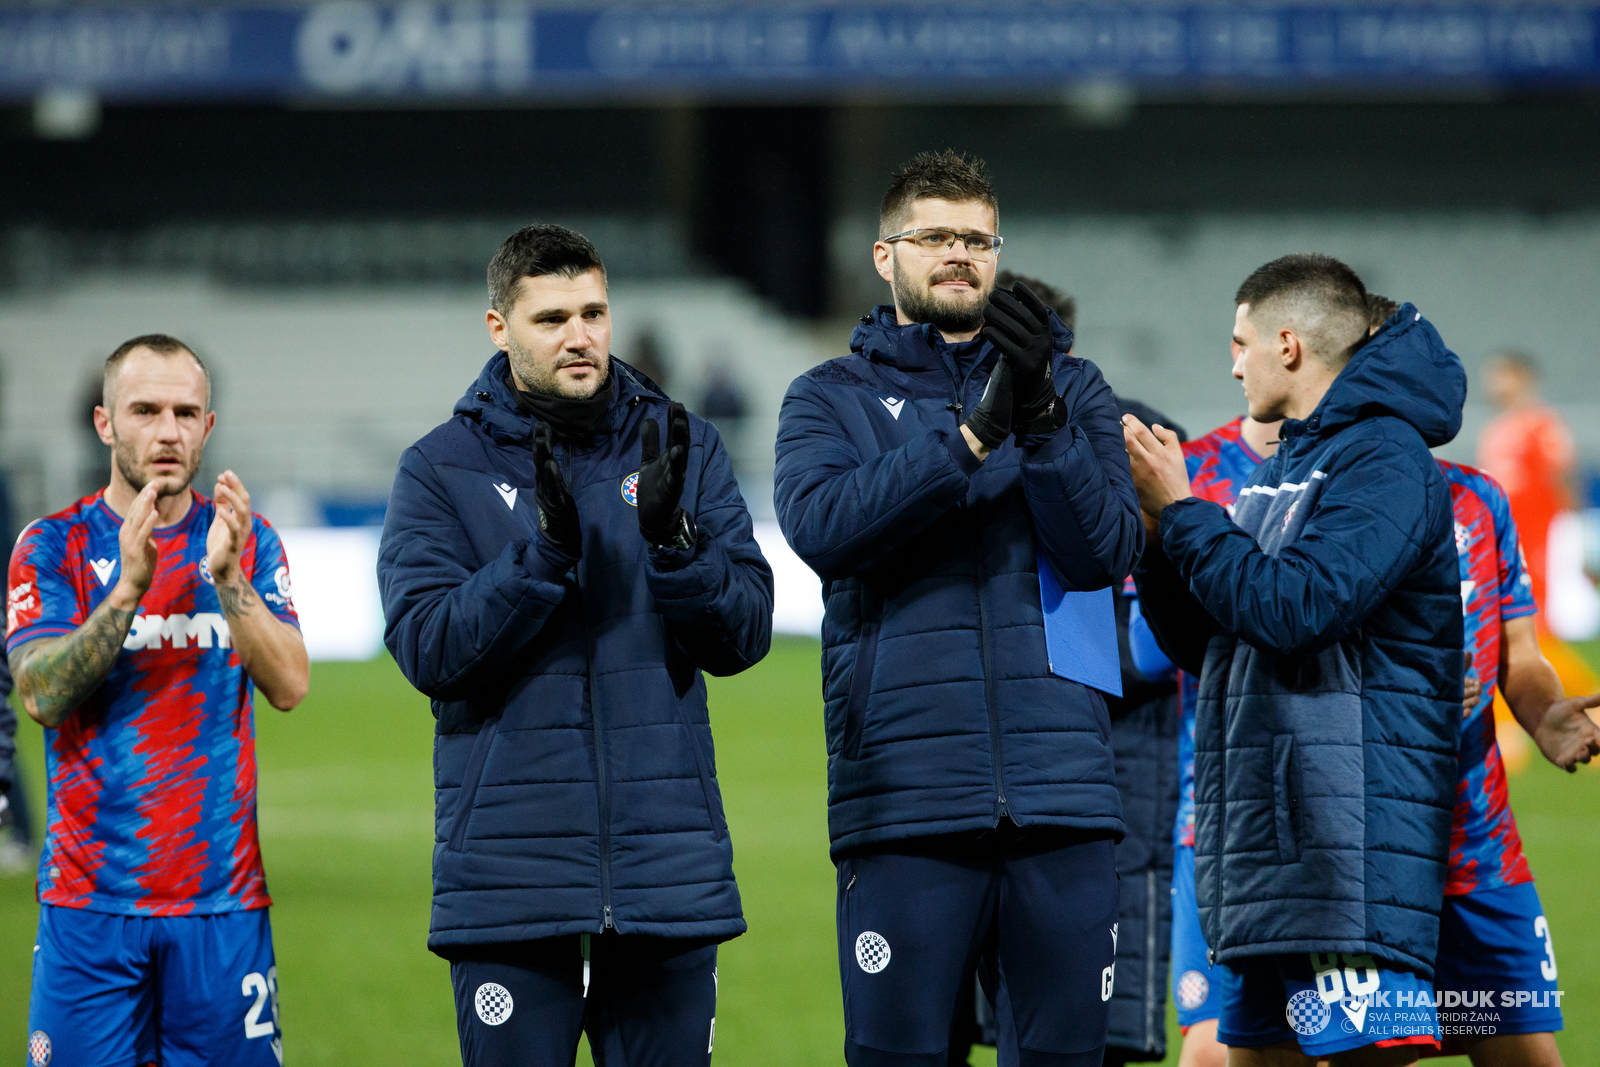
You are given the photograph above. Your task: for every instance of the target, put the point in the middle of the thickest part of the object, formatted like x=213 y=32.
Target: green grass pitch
x=346 y=825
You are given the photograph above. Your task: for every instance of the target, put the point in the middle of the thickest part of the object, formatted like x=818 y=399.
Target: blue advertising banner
x=513 y=50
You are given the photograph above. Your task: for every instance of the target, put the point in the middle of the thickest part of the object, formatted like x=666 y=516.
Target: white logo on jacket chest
x=207 y=628
x=508 y=494
x=893 y=404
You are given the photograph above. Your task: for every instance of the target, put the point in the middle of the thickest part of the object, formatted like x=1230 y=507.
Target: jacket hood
x=881 y=338
x=1404 y=371
x=490 y=402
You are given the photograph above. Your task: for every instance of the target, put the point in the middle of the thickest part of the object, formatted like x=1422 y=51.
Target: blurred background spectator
x=1530 y=452
x=1529 y=449
x=647 y=357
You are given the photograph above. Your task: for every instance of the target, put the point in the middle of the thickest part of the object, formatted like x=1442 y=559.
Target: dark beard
x=925 y=306
x=545 y=381
x=128 y=467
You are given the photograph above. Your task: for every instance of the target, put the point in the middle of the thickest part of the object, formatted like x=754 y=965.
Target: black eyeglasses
x=938 y=242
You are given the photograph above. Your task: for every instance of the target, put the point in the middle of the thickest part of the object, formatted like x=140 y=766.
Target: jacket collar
x=915 y=347
x=490 y=402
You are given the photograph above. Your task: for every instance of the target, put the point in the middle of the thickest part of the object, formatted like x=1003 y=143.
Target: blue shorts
x=1196 y=985
x=1328 y=1002
x=1496 y=972
x=181 y=991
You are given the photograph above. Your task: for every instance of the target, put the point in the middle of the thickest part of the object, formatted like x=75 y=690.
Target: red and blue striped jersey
x=1219 y=464
x=1485 y=848
x=152 y=780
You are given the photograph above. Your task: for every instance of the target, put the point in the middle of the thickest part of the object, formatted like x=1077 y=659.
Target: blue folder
x=1080 y=633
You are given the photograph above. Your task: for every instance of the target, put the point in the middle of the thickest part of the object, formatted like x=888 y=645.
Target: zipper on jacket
x=996 y=765
x=601 y=777
x=602 y=789
x=990 y=706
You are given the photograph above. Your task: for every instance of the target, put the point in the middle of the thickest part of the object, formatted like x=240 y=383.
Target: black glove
x=1017 y=324
x=558 y=512
x=661 y=520
x=990 y=421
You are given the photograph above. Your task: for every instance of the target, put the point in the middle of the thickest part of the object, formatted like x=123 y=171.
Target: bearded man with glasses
x=932 y=478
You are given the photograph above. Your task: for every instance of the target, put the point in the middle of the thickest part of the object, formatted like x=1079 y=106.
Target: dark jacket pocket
x=719 y=825
x=860 y=687
x=1286 y=798
x=470 y=780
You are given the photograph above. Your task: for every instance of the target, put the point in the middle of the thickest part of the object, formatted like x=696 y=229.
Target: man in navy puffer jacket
x=972 y=801
x=560 y=561
x=1324 y=621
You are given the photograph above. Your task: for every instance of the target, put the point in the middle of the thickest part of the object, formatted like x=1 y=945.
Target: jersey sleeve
x=42 y=599
x=1516 y=584
x=271 y=574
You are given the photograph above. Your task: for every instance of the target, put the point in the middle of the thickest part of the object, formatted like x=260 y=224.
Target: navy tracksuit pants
x=1036 y=907
x=651 y=1002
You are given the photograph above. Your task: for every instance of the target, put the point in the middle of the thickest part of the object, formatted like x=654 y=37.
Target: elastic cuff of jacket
x=547 y=563
x=1174 y=513
x=962 y=453
x=1039 y=448
x=666 y=559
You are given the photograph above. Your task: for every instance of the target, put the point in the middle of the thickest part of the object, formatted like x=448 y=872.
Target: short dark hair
x=942 y=175
x=162 y=345
x=1379 y=310
x=1324 y=298
x=1061 y=303
x=543 y=248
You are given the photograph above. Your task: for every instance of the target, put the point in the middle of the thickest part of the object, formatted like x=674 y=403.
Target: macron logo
x=1356 y=1009
x=508 y=494
x=103 y=569
x=894 y=405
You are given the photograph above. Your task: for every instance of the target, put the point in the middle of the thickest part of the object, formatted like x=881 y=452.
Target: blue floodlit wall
x=353 y=48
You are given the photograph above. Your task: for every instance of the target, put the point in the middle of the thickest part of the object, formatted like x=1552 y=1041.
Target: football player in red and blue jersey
x=1493 y=933
x=139 y=621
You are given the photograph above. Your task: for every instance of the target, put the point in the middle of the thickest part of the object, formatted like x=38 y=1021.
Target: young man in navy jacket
x=1323 y=619
x=560 y=561
x=972 y=800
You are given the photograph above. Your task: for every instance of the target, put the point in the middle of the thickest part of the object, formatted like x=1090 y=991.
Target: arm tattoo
x=238 y=598
x=57 y=674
